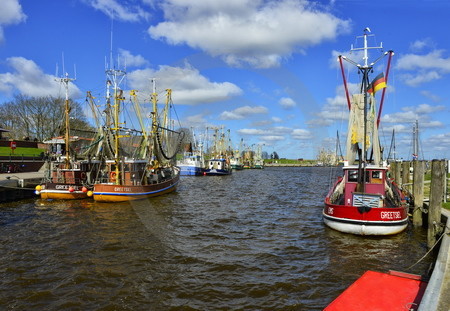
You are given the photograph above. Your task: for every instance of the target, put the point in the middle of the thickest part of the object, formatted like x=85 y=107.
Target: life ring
x=112 y=176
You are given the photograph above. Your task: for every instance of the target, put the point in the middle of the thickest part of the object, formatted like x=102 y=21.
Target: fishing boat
x=67 y=177
x=219 y=163
x=236 y=159
x=364 y=200
x=193 y=162
x=147 y=168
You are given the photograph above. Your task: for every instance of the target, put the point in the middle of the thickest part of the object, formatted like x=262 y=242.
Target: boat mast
x=154 y=100
x=364 y=69
x=66 y=81
x=116 y=76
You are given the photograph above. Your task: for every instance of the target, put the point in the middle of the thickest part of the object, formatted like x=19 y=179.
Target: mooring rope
x=429 y=251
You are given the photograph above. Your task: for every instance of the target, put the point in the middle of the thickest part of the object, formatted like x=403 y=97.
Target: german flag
x=377 y=84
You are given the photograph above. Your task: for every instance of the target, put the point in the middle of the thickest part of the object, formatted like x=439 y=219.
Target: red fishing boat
x=365 y=201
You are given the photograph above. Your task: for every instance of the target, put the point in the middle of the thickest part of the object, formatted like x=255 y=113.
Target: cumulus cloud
x=245 y=131
x=189 y=86
x=10 y=14
x=287 y=103
x=124 y=10
x=433 y=97
x=250 y=32
x=131 y=60
x=423 y=68
x=422 y=44
x=424 y=109
x=28 y=79
x=242 y=112
x=301 y=134
x=335 y=109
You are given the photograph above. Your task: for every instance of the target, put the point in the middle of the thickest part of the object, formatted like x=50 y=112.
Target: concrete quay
x=437 y=294
x=16 y=186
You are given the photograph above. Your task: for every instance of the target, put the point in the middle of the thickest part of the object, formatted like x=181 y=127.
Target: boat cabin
x=131 y=172
x=217 y=164
x=374 y=186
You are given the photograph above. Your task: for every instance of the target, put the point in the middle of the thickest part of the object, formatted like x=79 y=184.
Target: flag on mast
x=377 y=84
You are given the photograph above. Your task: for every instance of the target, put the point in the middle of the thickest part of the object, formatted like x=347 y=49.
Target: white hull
x=365 y=228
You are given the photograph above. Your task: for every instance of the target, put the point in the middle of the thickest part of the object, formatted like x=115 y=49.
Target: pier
x=427 y=211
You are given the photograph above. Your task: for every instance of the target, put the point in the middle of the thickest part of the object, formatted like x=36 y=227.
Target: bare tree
x=39 y=117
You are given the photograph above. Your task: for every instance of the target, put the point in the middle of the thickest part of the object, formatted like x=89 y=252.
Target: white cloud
x=125 y=10
x=420 y=77
x=256 y=33
x=419 y=45
x=301 y=134
x=424 y=108
x=10 y=13
x=276 y=119
x=425 y=68
x=188 y=85
x=287 y=103
x=253 y=132
x=272 y=138
x=433 y=97
x=335 y=109
x=131 y=60
x=242 y=112
x=28 y=79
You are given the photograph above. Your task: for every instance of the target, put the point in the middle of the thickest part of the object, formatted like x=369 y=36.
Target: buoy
x=71 y=189
x=37 y=192
x=90 y=193
x=38 y=188
x=84 y=189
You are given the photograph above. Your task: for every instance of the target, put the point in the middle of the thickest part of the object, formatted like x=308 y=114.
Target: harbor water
x=253 y=240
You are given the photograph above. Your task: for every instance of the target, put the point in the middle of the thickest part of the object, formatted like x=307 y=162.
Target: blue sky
x=266 y=70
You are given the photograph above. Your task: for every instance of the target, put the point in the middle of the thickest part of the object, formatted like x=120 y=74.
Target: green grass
x=290 y=161
x=21 y=151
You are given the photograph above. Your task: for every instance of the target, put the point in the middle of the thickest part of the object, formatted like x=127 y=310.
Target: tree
x=274 y=155
x=40 y=117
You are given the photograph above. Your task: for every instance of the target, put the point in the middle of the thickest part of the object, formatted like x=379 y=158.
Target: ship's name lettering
x=65 y=187
x=391 y=215
x=122 y=189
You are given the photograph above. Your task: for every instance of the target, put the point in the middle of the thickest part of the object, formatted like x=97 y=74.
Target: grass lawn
x=21 y=151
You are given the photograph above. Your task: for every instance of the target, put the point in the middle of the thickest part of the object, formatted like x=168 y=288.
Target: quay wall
x=437 y=294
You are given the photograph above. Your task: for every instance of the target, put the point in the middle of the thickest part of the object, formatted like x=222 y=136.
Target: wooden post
x=405 y=172
x=417 y=191
x=397 y=175
x=436 y=196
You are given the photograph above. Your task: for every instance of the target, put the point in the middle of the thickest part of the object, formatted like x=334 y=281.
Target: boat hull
x=123 y=193
x=216 y=172
x=190 y=170
x=376 y=221
x=61 y=191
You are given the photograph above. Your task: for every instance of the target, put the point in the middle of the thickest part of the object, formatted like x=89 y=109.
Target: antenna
x=111 y=45
x=62 y=56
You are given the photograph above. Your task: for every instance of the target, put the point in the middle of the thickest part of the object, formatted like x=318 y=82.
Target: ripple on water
x=250 y=241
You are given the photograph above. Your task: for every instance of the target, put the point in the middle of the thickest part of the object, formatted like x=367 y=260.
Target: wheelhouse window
x=352 y=176
x=377 y=177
